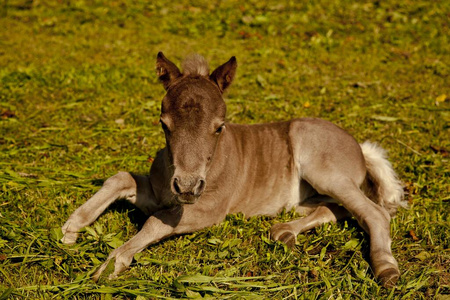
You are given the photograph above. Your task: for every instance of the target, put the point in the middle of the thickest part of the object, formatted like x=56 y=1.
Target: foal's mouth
x=186 y=198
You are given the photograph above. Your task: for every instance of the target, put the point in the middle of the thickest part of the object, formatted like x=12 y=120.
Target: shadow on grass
x=98 y=182
x=136 y=216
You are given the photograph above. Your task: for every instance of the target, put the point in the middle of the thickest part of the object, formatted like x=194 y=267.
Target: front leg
x=165 y=223
x=123 y=185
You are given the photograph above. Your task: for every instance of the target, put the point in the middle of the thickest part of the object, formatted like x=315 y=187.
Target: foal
x=211 y=168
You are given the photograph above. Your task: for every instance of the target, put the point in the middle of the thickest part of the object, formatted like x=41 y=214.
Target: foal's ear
x=223 y=75
x=166 y=70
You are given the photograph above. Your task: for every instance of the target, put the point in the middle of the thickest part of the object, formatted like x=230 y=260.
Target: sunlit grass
x=79 y=101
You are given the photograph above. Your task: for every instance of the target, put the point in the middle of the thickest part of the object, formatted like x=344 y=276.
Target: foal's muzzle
x=188 y=189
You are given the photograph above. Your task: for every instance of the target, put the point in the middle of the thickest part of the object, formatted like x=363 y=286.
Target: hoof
x=113 y=266
x=288 y=238
x=102 y=272
x=389 y=277
x=69 y=238
x=283 y=233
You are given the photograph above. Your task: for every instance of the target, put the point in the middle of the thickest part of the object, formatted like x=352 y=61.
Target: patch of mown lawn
x=79 y=101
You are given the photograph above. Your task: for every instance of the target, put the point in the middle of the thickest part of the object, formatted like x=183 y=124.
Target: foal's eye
x=220 y=129
x=164 y=126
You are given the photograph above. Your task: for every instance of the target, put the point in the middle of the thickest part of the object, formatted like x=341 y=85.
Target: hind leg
x=323 y=213
x=123 y=185
x=374 y=219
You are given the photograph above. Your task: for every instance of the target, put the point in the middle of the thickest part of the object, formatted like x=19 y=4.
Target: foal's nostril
x=199 y=188
x=175 y=186
x=188 y=187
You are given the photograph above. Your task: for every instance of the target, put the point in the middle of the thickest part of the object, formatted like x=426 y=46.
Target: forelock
x=195 y=64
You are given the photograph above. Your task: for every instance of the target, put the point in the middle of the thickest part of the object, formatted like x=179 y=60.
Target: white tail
x=382 y=184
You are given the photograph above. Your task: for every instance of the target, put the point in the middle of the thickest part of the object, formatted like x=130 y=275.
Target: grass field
x=79 y=101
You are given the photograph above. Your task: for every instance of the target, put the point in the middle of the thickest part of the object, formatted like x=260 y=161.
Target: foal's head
x=193 y=119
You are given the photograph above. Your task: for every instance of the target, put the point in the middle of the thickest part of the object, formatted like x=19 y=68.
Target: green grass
x=79 y=101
